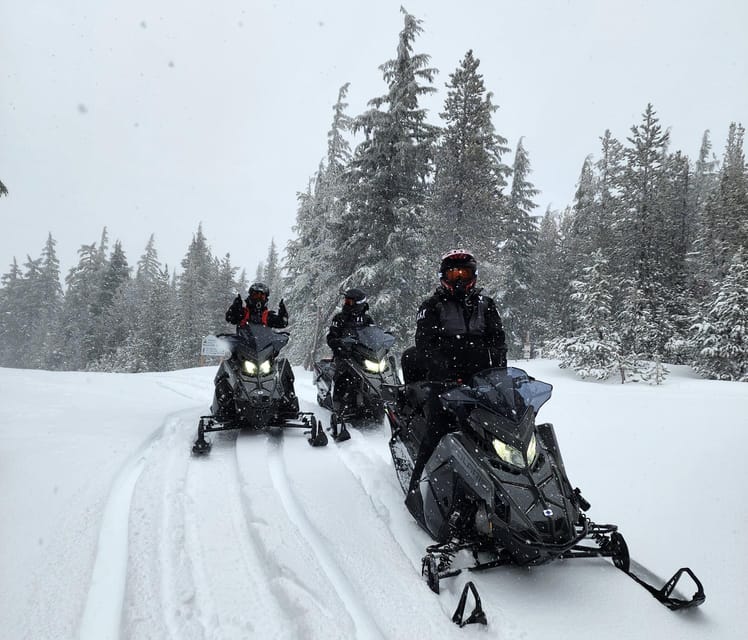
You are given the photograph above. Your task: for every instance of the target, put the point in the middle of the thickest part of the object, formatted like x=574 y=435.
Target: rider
x=352 y=316
x=256 y=311
x=458 y=333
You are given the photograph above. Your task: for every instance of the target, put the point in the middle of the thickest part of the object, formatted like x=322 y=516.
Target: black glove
x=500 y=360
x=282 y=311
x=234 y=314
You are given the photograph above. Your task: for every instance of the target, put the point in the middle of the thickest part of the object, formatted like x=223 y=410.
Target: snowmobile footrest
x=477 y=616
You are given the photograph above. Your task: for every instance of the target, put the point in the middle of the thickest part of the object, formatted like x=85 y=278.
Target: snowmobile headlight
x=375 y=367
x=532 y=451
x=513 y=456
x=509 y=454
x=250 y=367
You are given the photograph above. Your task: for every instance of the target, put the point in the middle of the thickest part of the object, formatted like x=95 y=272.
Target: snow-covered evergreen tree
x=594 y=351
x=552 y=285
x=13 y=319
x=643 y=228
x=466 y=196
x=383 y=228
x=79 y=312
x=519 y=307
x=194 y=319
x=316 y=267
x=721 y=337
x=272 y=275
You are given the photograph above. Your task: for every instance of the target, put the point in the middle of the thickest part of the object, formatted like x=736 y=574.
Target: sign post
x=212 y=346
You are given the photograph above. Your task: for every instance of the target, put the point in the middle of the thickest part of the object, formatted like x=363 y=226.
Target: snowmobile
x=254 y=389
x=367 y=366
x=495 y=485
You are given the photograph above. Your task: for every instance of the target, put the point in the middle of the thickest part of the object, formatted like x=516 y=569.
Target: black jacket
x=456 y=338
x=241 y=315
x=341 y=322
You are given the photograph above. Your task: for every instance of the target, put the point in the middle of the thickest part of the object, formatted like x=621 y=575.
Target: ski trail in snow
x=103 y=611
x=370 y=463
x=227 y=568
x=366 y=627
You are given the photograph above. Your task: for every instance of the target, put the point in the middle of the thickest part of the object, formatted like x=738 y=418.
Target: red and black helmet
x=259 y=293
x=458 y=271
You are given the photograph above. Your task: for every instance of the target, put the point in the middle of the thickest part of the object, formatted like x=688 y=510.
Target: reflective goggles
x=258 y=295
x=453 y=274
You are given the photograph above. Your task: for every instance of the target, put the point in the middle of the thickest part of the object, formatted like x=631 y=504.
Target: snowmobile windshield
x=506 y=391
x=255 y=339
x=374 y=338
x=512 y=388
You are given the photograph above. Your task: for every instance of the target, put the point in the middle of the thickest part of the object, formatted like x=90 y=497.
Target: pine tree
x=13 y=324
x=594 y=350
x=194 y=319
x=721 y=338
x=643 y=227
x=383 y=227
x=315 y=265
x=552 y=283
x=44 y=352
x=115 y=304
x=519 y=307
x=725 y=220
x=272 y=275
x=79 y=309
x=466 y=196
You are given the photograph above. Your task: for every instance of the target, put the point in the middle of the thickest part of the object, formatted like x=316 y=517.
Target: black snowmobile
x=495 y=485
x=367 y=366
x=254 y=389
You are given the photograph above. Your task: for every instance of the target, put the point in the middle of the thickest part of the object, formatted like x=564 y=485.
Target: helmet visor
x=257 y=296
x=453 y=274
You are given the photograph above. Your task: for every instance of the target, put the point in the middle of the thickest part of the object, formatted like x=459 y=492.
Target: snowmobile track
x=365 y=625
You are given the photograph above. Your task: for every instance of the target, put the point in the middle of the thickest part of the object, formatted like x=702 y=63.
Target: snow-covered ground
x=109 y=528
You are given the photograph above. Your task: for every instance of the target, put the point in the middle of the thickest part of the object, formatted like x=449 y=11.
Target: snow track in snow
x=365 y=626
x=103 y=610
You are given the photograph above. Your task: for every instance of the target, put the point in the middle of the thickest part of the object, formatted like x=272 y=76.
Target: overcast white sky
x=150 y=116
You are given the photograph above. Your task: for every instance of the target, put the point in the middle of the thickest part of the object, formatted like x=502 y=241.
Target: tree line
x=646 y=265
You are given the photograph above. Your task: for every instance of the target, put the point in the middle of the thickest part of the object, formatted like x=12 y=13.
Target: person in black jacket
x=352 y=316
x=458 y=333
x=256 y=310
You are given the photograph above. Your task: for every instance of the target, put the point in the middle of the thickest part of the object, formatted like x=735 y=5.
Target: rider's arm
x=495 y=336
x=275 y=321
x=335 y=334
x=428 y=329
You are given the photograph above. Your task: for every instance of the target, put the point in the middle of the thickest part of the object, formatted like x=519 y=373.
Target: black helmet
x=259 y=293
x=458 y=271
x=354 y=301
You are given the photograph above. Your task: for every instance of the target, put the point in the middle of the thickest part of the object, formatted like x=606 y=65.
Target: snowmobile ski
x=477 y=616
x=338 y=428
